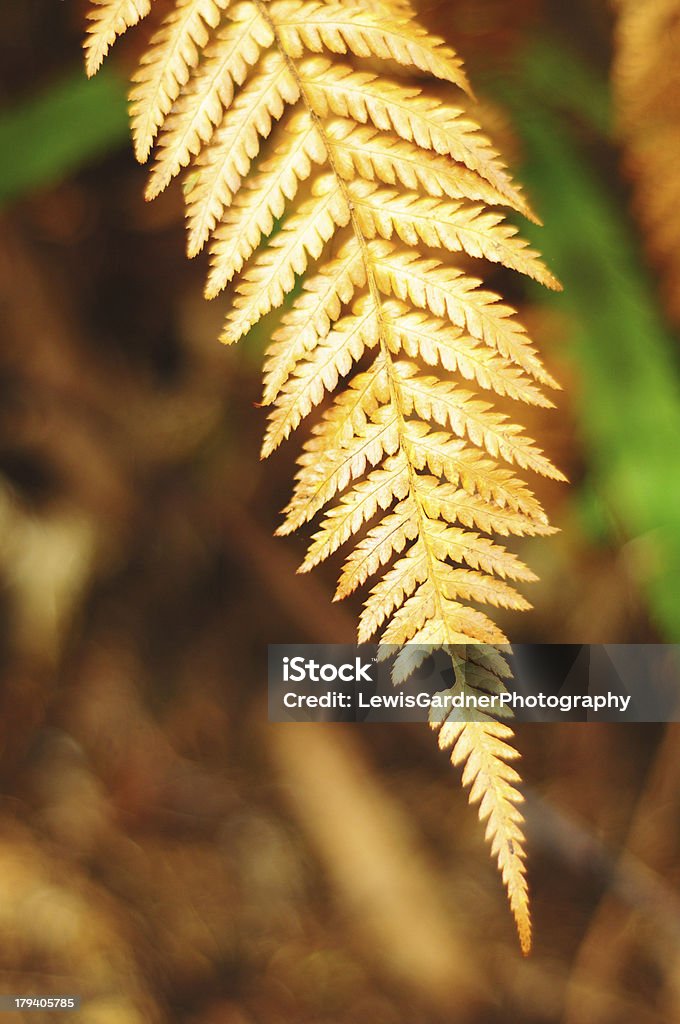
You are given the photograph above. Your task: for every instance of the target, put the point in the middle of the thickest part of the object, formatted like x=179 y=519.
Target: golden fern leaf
x=364 y=152
x=647 y=91
x=418 y=335
x=222 y=166
x=419 y=219
x=200 y=109
x=316 y=27
x=272 y=274
x=318 y=374
x=252 y=215
x=166 y=66
x=109 y=19
x=482 y=748
x=366 y=174
x=320 y=304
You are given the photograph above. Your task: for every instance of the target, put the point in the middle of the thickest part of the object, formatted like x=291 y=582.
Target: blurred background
x=164 y=852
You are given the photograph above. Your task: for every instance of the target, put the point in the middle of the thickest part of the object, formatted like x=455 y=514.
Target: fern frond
x=417 y=334
x=377 y=491
x=166 y=66
x=415 y=118
x=450 y=293
x=386 y=538
x=313 y=179
x=450 y=406
x=225 y=65
x=483 y=751
x=321 y=302
x=473 y=230
x=366 y=446
x=363 y=151
x=107 y=20
x=272 y=275
x=344 y=28
x=223 y=165
x=262 y=200
x=318 y=374
x=456 y=505
x=429 y=618
x=342 y=427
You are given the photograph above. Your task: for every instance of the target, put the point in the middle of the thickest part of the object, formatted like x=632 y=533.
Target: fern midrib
x=422 y=517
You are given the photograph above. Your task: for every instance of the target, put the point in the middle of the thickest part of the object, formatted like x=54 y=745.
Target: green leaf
x=46 y=138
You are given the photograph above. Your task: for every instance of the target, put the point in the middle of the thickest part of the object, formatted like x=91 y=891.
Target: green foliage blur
x=45 y=138
x=624 y=354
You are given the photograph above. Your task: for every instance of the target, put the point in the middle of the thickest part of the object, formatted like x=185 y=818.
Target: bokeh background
x=166 y=853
